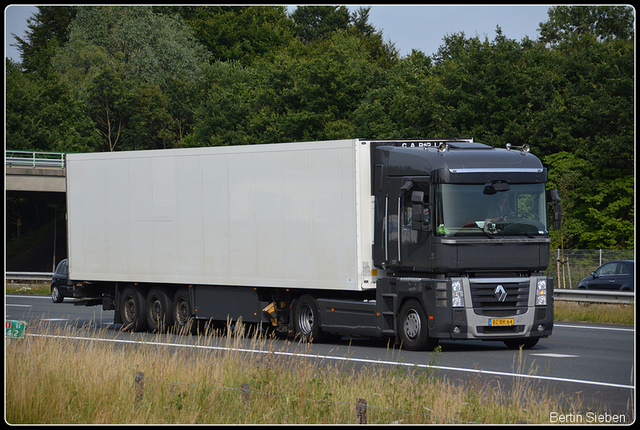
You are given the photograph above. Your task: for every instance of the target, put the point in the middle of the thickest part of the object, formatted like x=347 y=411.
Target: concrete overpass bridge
x=34 y=174
x=37 y=182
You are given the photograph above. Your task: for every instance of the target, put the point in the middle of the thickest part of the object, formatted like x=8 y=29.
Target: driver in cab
x=499 y=211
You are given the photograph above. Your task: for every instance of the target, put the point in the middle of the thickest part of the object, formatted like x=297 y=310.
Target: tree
x=109 y=103
x=598 y=213
x=303 y=92
x=229 y=105
x=401 y=103
x=121 y=61
x=569 y=23
x=236 y=33
x=317 y=23
x=47 y=30
x=384 y=54
x=139 y=45
x=43 y=115
x=313 y=23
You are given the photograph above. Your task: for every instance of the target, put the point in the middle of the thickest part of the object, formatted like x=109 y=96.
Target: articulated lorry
x=417 y=240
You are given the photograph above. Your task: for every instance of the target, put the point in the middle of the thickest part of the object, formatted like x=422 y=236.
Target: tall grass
x=70 y=380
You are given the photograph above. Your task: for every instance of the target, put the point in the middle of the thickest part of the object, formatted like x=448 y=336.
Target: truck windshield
x=468 y=210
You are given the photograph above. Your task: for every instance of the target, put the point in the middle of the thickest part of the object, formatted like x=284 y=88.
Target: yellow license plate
x=501 y=321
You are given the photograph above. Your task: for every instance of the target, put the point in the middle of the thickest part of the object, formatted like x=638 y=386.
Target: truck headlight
x=541 y=292
x=457 y=295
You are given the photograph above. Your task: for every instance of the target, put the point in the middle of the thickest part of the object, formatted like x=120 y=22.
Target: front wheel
x=412 y=327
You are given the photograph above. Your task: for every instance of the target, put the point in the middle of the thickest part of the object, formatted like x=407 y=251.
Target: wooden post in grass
x=245 y=392
x=139 y=386
x=361 y=411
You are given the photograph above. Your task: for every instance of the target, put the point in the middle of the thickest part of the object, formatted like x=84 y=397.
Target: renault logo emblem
x=500 y=294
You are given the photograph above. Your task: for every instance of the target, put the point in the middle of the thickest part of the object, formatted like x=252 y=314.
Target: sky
x=407 y=26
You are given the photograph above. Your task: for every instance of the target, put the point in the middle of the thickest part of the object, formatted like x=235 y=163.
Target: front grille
x=483 y=298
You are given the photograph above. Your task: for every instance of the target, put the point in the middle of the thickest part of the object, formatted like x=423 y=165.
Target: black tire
x=525 y=343
x=159 y=309
x=56 y=295
x=133 y=310
x=306 y=322
x=413 y=327
x=182 y=314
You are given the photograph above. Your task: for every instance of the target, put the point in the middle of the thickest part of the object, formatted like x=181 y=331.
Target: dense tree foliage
x=122 y=78
x=236 y=33
x=567 y=24
x=47 y=30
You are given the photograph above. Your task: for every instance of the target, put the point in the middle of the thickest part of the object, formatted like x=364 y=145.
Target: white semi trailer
x=379 y=238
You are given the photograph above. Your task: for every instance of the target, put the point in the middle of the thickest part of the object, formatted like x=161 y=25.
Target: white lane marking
x=54 y=319
x=23 y=306
x=347 y=359
x=553 y=355
x=594 y=328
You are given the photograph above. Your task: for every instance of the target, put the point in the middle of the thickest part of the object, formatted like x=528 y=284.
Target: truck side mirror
x=418 y=220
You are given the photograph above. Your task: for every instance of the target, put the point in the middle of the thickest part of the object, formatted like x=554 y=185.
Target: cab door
x=406 y=223
x=415 y=224
x=393 y=228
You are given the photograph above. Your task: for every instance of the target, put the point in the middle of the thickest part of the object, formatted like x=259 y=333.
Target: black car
x=59 y=287
x=613 y=275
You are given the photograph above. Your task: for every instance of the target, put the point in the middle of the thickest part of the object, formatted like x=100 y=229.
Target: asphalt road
x=592 y=361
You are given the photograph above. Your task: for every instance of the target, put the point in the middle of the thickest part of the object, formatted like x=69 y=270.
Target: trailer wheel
x=182 y=314
x=412 y=327
x=517 y=343
x=132 y=310
x=159 y=310
x=305 y=319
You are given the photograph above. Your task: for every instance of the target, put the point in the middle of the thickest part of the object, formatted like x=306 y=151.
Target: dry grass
x=66 y=379
x=594 y=313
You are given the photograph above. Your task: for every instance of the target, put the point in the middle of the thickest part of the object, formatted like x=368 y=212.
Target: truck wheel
x=132 y=310
x=182 y=314
x=159 y=310
x=412 y=327
x=525 y=343
x=305 y=319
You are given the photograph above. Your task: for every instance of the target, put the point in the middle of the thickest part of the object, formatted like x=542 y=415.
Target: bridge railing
x=35 y=159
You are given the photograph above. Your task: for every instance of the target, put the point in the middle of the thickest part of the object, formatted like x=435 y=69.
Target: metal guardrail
x=559 y=294
x=35 y=159
x=28 y=276
x=593 y=296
